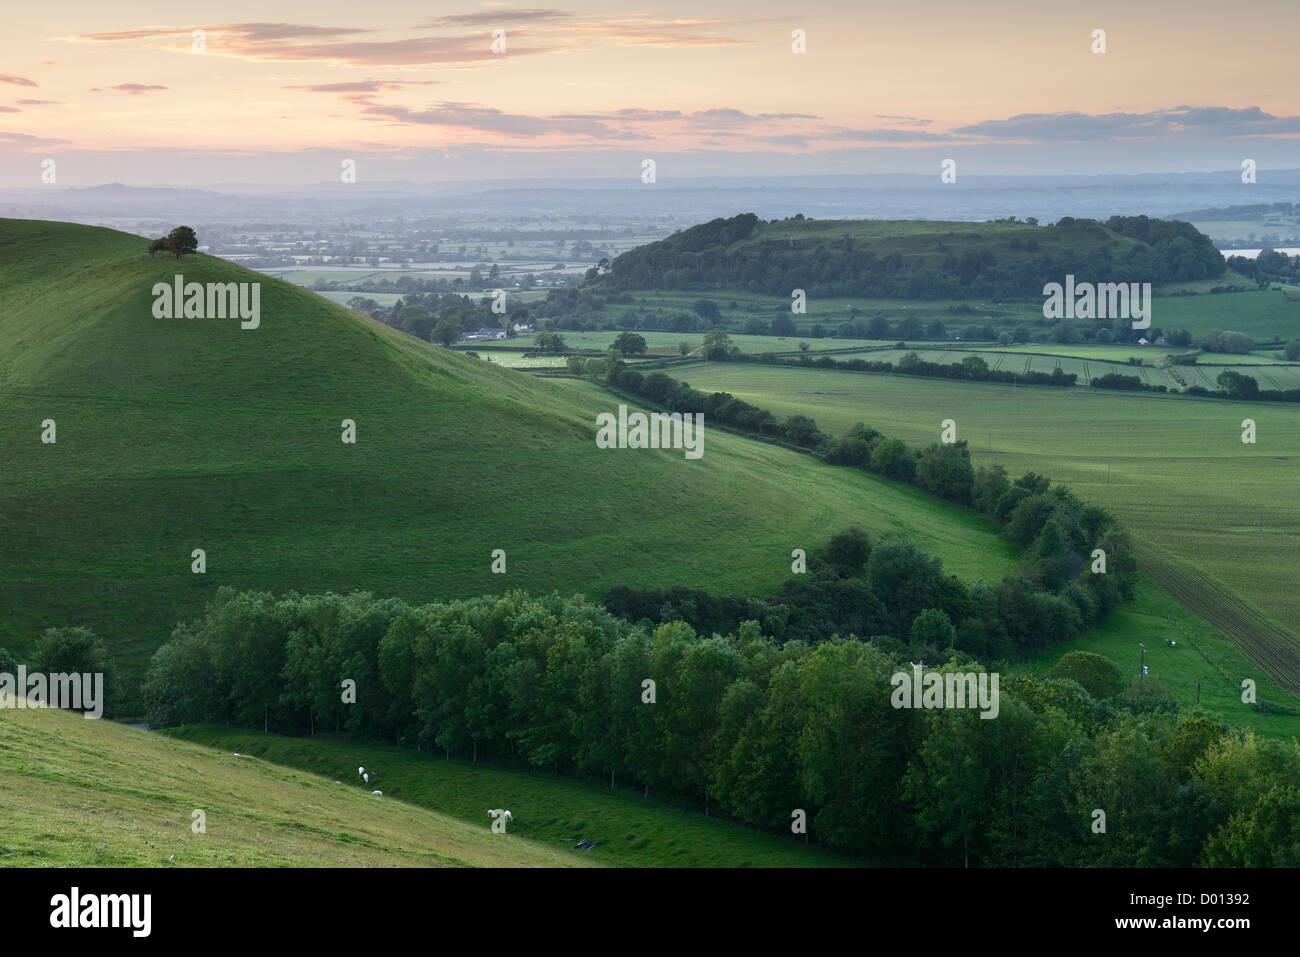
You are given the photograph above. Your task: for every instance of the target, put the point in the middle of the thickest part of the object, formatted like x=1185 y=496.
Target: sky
x=285 y=91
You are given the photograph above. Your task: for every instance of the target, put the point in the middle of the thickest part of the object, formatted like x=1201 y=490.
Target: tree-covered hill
x=910 y=259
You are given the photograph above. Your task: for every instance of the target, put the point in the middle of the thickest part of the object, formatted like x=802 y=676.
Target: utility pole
x=1142 y=664
x=1108 y=471
x=1198 y=692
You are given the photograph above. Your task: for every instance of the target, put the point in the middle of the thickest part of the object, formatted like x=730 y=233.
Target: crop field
x=1173 y=468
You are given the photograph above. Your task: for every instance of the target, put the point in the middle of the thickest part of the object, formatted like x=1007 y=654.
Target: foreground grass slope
x=194 y=433
x=630 y=829
x=82 y=793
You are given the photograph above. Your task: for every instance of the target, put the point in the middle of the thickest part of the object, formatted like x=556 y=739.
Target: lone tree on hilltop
x=180 y=241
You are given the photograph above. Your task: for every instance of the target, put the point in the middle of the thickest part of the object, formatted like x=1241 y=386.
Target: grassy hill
x=631 y=830
x=194 y=433
x=81 y=793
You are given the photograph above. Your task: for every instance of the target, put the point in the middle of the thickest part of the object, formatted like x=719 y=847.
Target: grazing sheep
x=509 y=816
x=377 y=793
x=366 y=778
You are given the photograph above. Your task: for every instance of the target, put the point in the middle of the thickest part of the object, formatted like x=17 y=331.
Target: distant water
x=1254 y=253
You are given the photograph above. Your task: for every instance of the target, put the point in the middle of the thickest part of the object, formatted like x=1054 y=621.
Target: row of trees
x=1042 y=605
x=972 y=367
x=899 y=596
x=751 y=728
x=1269 y=266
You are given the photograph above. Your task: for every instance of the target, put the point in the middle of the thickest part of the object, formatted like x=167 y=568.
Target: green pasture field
x=1199 y=653
x=1261 y=314
x=631 y=830
x=1172 y=468
x=385 y=299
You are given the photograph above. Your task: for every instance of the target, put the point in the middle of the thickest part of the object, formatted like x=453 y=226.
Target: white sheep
x=366 y=778
x=377 y=793
x=360 y=771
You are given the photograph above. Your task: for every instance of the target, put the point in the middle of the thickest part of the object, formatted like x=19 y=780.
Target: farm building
x=482 y=334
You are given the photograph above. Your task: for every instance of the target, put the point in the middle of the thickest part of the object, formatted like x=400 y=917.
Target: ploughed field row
x=1265 y=643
